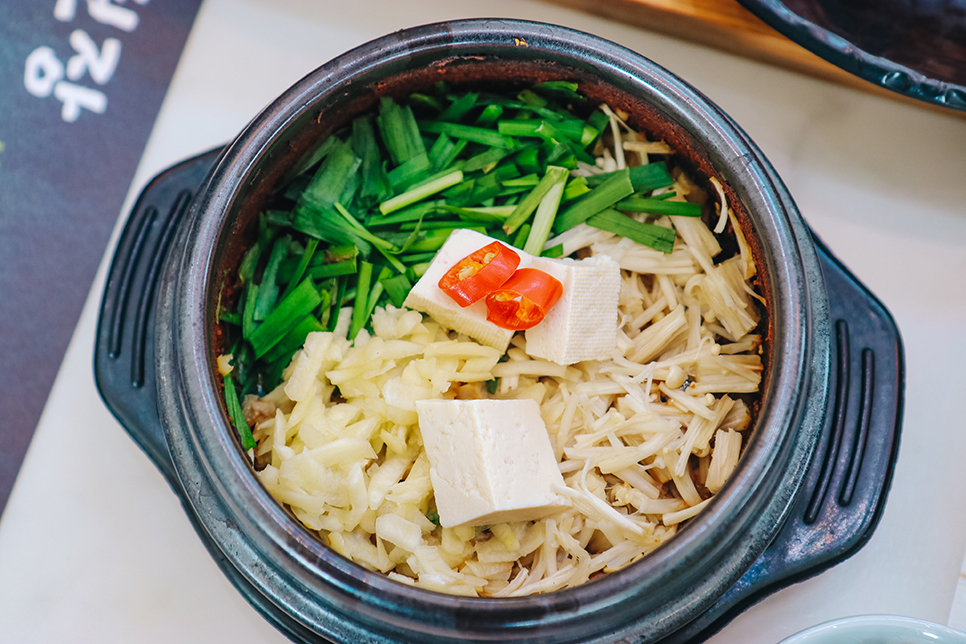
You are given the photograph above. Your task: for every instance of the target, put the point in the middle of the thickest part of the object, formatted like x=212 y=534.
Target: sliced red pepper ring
x=479 y=273
x=524 y=300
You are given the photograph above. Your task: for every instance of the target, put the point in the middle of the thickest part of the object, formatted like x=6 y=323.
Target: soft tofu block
x=582 y=325
x=426 y=296
x=490 y=461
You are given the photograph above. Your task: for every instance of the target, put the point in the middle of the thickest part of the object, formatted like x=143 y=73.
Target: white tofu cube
x=491 y=461
x=582 y=325
x=428 y=297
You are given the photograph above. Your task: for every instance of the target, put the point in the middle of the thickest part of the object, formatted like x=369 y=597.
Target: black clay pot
x=809 y=488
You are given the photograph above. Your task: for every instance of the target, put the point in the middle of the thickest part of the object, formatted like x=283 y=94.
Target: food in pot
x=488 y=345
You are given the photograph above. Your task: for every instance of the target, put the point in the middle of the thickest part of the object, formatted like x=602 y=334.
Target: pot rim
x=249 y=525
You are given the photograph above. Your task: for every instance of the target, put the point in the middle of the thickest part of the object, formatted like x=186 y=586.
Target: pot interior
x=301 y=119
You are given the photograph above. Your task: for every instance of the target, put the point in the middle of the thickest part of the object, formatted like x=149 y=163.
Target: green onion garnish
x=285 y=317
x=656 y=237
x=236 y=415
x=359 y=306
x=543 y=220
x=310 y=246
x=526 y=207
x=470 y=133
x=419 y=193
x=616 y=187
x=659 y=207
x=397 y=288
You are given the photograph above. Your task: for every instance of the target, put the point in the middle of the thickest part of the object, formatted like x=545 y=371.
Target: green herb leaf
x=397 y=288
x=327 y=225
x=660 y=207
x=323 y=271
x=470 y=133
x=310 y=246
x=520 y=239
x=336 y=171
x=490 y=114
x=408 y=173
x=644 y=178
x=553 y=251
x=543 y=220
x=617 y=186
x=420 y=192
x=459 y=108
x=359 y=306
x=526 y=207
x=375 y=184
x=295 y=338
x=236 y=415
x=268 y=289
x=285 y=317
x=399 y=131
x=656 y=237
x=248 y=313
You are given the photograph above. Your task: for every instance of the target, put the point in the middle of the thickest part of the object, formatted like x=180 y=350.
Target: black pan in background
x=913 y=47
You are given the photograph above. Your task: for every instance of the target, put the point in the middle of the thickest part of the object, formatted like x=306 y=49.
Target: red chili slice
x=479 y=273
x=524 y=300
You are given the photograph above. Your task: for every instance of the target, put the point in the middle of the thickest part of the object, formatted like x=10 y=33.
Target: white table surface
x=94 y=547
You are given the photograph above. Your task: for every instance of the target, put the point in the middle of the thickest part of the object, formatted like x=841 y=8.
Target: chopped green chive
x=553 y=251
x=543 y=220
x=236 y=415
x=375 y=184
x=324 y=271
x=295 y=338
x=285 y=317
x=419 y=193
x=529 y=97
x=399 y=131
x=644 y=178
x=656 y=237
x=660 y=207
x=520 y=239
x=329 y=182
x=490 y=114
x=428 y=101
x=483 y=213
x=410 y=171
x=310 y=246
x=529 y=161
x=248 y=313
x=359 y=306
x=526 y=207
x=459 y=108
x=412 y=213
x=575 y=188
x=470 y=133
x=397 y=288
x=486 y=161
x=616 y=187
x=529 y=127
x=444 y=152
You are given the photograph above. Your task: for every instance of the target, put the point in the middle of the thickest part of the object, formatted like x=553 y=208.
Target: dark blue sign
x=81 y=82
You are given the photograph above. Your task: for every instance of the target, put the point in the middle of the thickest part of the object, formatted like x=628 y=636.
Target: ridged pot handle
x=124 y=345
x=845 y=489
